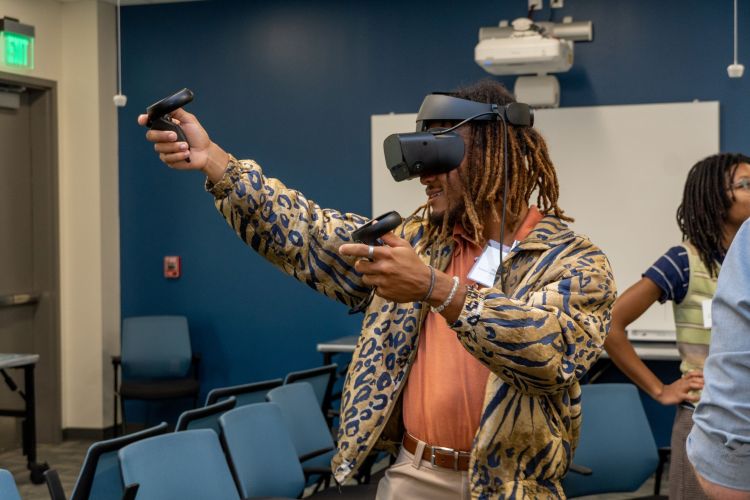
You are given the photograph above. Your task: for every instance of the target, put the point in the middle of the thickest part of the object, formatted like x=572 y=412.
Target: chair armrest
x=316 y=471
x=130 y=491
x=54 y=485
x=313 y=454
x=580 y=469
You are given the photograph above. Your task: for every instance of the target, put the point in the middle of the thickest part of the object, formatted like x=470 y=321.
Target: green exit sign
x=16 y=44
x=18 y=50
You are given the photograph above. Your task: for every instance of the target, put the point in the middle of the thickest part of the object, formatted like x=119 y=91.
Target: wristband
x=442 y=306
x=432 y=284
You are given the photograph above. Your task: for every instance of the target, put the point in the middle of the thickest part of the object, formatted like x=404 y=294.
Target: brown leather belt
x=446 y=458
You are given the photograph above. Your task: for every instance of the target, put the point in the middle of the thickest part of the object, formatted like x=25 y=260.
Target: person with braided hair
x=474 y=387
x=715 y=203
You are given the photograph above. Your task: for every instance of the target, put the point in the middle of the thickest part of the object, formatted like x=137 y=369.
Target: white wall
x=75 y=47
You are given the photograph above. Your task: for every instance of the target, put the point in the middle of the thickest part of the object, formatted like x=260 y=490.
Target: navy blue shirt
x=671 y=273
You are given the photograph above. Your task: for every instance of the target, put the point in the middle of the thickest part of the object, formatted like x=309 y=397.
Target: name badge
x=706 y=306
x=485 y=268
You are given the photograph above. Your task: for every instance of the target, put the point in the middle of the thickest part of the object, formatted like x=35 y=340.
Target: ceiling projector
x=524 y=51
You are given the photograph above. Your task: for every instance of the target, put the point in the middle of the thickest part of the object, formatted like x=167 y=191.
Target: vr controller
x=158 y=113
x=437 y=151
x=370 y=233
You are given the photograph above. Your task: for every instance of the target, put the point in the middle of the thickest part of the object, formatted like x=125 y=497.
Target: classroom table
x=657 y=351
x=653 y=351
x=337 y=346
x=25 y=362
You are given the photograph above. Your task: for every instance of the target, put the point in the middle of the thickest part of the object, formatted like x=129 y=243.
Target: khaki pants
x=412 y=478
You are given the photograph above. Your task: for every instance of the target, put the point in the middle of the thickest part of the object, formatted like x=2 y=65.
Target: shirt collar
x=532 y=218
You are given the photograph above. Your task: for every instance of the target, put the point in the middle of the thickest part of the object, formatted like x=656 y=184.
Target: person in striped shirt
x=715 y=203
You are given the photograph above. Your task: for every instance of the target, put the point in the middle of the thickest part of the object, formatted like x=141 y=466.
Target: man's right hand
x=203 y=154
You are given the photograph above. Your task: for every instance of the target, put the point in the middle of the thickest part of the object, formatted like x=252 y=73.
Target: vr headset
x=437 y=151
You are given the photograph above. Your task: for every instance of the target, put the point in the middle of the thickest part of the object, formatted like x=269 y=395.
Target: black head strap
x=444 y=107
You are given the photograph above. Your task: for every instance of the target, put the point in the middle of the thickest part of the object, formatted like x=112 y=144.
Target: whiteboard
x=621 y=171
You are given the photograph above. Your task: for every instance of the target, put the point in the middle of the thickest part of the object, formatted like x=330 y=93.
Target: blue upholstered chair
x=187 y=465
x=261 y=452
x=8 y=490
x=157 y=361
x=245 y=393
x=616 y=444
x=321 y=379
x=307 y=427
x=206 y=417
x=100 y=477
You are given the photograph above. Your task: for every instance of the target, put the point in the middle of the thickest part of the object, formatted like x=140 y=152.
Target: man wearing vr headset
x=474 y=386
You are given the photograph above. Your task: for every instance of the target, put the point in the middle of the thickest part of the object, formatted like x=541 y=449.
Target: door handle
x=18 y=299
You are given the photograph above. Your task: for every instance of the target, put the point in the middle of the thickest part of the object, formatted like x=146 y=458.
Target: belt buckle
x=449 y=451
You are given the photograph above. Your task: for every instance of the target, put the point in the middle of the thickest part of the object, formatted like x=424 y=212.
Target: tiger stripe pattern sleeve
x=290 y=231
x=551 y=328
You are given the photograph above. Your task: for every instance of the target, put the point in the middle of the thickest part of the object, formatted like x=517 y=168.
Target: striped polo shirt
x=671 y=273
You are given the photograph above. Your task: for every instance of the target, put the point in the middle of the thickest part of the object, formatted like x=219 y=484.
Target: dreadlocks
x=705 y=205
x=530 y=168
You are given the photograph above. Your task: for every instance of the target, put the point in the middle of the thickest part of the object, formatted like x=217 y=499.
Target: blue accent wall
x=292 y=84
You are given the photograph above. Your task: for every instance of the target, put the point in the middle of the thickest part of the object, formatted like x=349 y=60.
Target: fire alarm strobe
x=172 y=266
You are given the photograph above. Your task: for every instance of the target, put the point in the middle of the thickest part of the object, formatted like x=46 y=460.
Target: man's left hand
x=395 y=270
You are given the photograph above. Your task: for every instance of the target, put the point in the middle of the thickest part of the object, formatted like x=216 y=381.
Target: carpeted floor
x=65 y=457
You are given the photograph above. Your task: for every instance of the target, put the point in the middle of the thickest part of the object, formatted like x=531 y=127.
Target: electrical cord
x=505 y=174
x=505 y=197
x=119 y=57
x=454 y=127
x=735 y=31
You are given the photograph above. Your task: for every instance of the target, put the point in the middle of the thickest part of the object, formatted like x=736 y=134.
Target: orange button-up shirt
x=444 y=396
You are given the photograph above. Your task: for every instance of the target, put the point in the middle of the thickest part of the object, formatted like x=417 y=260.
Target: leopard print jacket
x=538 y=335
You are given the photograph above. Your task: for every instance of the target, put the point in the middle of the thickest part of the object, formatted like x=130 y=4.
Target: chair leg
x=323 y=483
x=122 y=411
x=54 y=485
x=115 y=396
x=114 y=412
x=318 y=485
x=366 y=469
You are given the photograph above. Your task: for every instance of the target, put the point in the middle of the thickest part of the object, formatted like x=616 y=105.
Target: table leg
x=29 y=428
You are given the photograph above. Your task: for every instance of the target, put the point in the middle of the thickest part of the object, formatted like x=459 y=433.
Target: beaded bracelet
x=432 y=284
x=442 y=306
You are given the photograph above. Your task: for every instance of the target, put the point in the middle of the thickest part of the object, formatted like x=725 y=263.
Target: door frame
x=46 y=234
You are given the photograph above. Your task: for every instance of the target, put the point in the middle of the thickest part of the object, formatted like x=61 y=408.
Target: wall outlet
x=556 y=4
x=535 y=5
